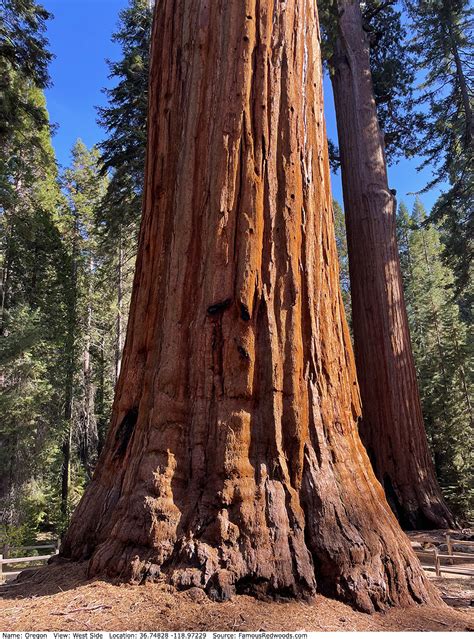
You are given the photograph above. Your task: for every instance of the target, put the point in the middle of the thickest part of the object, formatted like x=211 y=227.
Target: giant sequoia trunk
x=392 y=426
x=233 y=461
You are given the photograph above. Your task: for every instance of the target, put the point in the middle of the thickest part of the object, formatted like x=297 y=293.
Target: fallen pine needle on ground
x=45 y=600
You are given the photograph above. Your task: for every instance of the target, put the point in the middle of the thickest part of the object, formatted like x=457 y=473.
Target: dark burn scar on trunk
x=219 y=307
x=125 y=431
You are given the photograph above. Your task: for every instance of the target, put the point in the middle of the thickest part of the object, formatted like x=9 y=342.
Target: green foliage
x=84 y=188
x=392 y=71
x=453 y=211
x=442 y=356
x=393 y=74
x=124 y=119
x=341 y=243
x=443 y=48
x=32 y=317
x=24 y=60
x=55 y=348
x=441 y=348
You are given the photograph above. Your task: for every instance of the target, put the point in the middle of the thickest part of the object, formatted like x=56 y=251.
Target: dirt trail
x=59 y=597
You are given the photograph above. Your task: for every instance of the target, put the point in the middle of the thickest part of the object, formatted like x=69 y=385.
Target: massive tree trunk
x=233 y=461
x=392 y=427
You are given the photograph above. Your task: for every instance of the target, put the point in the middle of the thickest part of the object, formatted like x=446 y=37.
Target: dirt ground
x=58 y=597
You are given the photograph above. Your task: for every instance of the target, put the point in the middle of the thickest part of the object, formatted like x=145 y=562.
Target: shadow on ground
x=59 y=597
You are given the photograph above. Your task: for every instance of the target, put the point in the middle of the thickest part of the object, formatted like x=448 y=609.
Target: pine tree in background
x=443 y=47
x=123 y=156
x=393 y=75
x=24 y=59
x=67 y=264
x=440 y=341
x=32 y=316
x=84 y=188
x=124 y=119
x=439 y=338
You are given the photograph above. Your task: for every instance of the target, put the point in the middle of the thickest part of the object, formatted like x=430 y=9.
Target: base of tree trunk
x=256 y=535
x=417 y=509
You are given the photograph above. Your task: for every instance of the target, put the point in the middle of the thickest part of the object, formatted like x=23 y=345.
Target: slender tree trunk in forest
x=461 y=78
x=89 y=424
x=66 y=466
x=70 y=369
x=6 y=273
x=233 y=461
x=119 y=318
x=6 y=268
x=392 y=427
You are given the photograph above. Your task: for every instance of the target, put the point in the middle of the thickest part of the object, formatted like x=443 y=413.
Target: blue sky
x=80 y=38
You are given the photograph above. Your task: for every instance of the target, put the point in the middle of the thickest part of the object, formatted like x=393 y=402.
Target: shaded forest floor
x=59 y=597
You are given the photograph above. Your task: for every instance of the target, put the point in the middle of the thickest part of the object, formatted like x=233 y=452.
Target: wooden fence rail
x=437 y=567
x=7 y=550
x=6 y=558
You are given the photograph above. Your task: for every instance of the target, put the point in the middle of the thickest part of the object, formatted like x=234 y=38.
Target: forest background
x=70 y=218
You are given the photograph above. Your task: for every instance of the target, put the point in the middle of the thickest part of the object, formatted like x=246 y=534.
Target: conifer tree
x=24 y=59
x=233 y=461
x=123 y=157
x=84 y=188
x=443 y=47
x=32 y=314
x=442 y=357
x=124 y=119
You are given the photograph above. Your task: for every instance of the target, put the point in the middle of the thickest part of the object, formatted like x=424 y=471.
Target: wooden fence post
x=449 y=543
x=437 y=563
x=1 y=569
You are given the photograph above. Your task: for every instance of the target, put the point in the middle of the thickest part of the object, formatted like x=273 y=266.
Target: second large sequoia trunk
x=233 y=461
x=392 y=427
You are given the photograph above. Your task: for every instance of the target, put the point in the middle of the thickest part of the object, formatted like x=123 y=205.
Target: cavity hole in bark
x=244 y=312
x=261 y=588
x=220 y=587
x=125 y=430
x=243 y=352
x=219 y=307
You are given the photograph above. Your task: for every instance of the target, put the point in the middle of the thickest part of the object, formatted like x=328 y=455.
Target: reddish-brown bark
x=392 y=427
x=233 y=461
